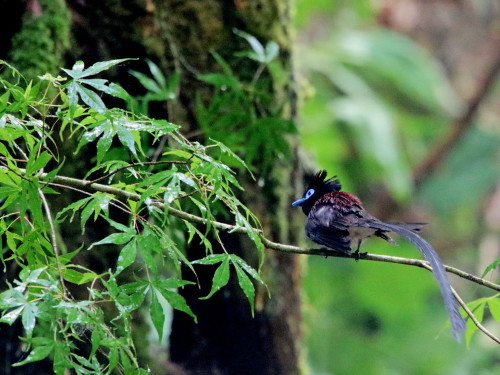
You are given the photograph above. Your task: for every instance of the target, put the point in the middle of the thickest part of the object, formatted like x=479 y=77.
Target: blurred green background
x=384 y=81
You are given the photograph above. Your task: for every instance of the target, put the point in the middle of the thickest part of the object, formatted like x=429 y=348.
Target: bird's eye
x=309 y=193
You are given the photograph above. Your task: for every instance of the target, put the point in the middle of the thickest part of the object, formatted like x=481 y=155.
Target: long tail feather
x=457 y=322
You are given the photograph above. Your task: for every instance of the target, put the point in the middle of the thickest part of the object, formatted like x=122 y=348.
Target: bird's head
x=318 y=187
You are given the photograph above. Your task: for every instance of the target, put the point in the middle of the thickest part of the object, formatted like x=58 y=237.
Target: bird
x=336 y=219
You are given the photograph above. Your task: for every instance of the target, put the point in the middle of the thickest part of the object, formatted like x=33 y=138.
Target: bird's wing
x=325 y=228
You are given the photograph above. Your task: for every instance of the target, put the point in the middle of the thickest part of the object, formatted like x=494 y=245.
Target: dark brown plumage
x=337 y=220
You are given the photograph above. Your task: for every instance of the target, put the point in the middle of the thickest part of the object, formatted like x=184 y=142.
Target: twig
x=474 y=319
x=77 y=183
x=53 y=237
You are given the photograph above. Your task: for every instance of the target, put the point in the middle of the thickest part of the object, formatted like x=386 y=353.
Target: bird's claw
x=357 y=255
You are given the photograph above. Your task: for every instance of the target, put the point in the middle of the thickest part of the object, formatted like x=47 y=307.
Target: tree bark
x=180 y=35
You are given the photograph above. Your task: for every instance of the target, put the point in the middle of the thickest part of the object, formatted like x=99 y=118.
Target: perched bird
x=337 y=220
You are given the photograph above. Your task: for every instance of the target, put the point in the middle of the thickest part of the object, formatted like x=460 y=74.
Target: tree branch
x=77 y=183
x=69 y=182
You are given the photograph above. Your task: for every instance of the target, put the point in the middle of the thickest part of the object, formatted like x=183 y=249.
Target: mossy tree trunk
x=180 y=35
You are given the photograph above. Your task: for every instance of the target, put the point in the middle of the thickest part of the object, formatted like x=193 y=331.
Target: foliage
x=134 y=196
x=244 y=112
x=43 y=39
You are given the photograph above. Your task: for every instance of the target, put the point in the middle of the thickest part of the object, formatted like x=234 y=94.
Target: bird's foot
x=357 y=255
x=325 y=249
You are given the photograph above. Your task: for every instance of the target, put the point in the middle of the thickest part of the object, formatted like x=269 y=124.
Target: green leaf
x=172 y=283
x=116 y=238
x=272 y=50
x=218 y=79
x=12 y=315
x=101 y=66
x=37 y=354
x=127 y=139
x=156 y=72
x=221 y=277
x=37 y=162
x=178 y=302
x=61 y=358
x=257 y=47
x=90 y=98
x=149 y=244
x=78 y=278
x=103 y=144
x=172 y=190
x=157 y=313
x=127 y=256
x=494 y=306
x=246 y=285
x=211 y=259
x=148 y=83
x=248 y=269
x=478 y=311
x=491 y=267
x=28 y=317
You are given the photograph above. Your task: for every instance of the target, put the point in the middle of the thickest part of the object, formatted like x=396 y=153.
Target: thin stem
x=131 y=165
x=77 y=183
x=473 y=318
x=53 y=236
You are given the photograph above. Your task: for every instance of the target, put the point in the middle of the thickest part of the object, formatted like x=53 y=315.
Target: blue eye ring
x=309 y=193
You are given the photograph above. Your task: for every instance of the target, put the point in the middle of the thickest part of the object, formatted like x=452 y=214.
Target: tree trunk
x=180 y=35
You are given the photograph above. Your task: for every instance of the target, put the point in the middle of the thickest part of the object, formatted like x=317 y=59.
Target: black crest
x=322 y=185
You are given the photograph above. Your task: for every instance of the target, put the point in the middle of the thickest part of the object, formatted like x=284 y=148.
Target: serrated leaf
x=160 y=177
x=91 y=98
x=95 y=338
x=28 y=317
x=12 y=315
x=494 y=306
x=101 y=66
x=478 y=314
x=127 y=139
x=211 y=259
x=178 y=302
x=179 y=153
x=157 y=313
x=78 y=278
x=186 y=179
x=38 y=163
x=103 y=144
x=172 y=283
x=221 y=277
x=491 y=267
x=127 y=256
x=172 y=190
x=37 y=354
x=246 y=285
x=116 y=238
x=148 y=244
x=248 y=269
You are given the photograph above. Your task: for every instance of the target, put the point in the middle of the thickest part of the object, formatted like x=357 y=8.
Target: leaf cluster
x=191 y=177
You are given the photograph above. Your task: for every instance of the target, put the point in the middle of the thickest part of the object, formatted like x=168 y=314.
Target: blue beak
x=298 y=202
